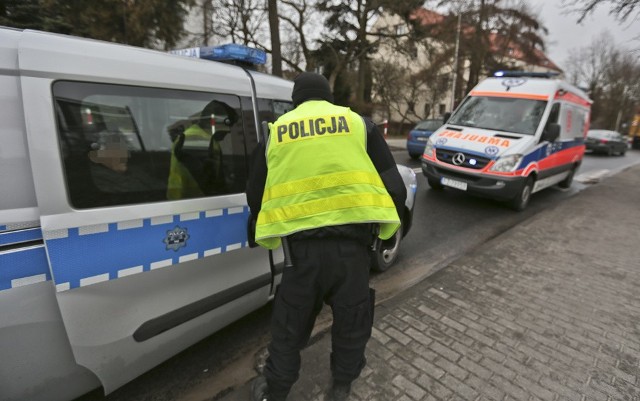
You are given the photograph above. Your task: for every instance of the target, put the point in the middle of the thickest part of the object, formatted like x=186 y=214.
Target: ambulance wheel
x=521 y=201
x=566 y=183
x=386 y=256
x=435 y=184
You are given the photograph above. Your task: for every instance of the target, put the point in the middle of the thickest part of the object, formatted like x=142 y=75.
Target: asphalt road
x=446 y=225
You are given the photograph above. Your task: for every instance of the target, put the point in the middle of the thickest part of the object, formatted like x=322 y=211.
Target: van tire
x=566 y=183
x=521 y=201
x=435 y=184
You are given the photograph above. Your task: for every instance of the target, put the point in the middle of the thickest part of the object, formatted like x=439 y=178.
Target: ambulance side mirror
x=446 y=117
x=551 y=132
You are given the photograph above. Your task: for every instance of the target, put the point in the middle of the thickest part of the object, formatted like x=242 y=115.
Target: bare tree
x=612 y=77
x=239 y=21
x=348 y=39
x=621 y=9
x=586 y=66
x=302 y=26
x=492 y=31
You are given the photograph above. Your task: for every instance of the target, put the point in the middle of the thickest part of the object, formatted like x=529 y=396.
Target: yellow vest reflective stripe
x=321 y=182
x=319 y=174
x=318 y=206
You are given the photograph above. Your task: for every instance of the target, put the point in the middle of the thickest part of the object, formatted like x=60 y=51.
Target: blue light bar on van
x=229 y=52
x=516 y=74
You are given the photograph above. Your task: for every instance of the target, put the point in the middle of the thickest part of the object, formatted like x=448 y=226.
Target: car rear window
x=428 y=125
x=601 y=134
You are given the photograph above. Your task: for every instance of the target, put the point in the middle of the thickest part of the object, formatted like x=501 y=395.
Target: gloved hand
x=251 y=231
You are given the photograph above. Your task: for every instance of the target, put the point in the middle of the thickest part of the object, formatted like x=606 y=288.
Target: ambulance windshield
x=509 y=114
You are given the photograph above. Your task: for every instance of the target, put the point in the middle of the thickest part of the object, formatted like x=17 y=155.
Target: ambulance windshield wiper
x=467 y=123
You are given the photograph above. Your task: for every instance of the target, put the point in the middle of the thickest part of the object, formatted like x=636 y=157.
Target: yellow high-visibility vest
x=319 y=174
x=181 y=183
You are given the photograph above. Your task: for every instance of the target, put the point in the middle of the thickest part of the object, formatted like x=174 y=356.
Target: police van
x=514 y=134
x=113 y=257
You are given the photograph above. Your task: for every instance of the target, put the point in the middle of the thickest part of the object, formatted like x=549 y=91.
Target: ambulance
x=514 y=134
x=107 y=266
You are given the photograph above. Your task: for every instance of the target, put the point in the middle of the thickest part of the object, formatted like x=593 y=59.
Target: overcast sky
x=565 y=33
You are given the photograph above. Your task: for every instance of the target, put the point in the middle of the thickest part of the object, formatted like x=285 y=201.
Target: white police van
x=514 y=134
x=103 y=275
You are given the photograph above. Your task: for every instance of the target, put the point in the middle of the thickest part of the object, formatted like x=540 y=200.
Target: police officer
x=325 y=181
x=192 y=174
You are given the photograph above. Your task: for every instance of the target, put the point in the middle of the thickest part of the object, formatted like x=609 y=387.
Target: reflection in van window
x=516 y=115
x=280 y=108
x=127 y=145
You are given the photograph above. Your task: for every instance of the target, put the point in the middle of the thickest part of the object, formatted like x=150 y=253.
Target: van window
x=280 y=108
x=574 y=122
x=126 y=145
x=501 y=114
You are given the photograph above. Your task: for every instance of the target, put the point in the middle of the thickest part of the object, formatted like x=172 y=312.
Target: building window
x=442 y=109
x=401 y=29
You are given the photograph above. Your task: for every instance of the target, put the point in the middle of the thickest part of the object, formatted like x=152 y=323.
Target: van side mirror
x=446 y=117
x=551 y=132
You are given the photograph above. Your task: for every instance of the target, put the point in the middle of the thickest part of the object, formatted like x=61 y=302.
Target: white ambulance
x=514 y=134
x=108 y=266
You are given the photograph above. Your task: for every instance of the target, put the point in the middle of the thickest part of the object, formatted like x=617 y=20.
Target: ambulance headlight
x=428 y=149
x=507 y=164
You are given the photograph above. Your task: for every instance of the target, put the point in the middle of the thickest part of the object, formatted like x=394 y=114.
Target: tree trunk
x=206 y=22
x=274 y=27
x=361 y=48
x=478 y=52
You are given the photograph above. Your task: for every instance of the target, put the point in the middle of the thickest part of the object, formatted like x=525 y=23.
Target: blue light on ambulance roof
x=524 y=74
x=229 y=52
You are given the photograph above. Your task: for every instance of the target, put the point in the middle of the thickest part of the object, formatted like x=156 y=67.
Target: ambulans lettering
x=305 y=129
x=477 y=138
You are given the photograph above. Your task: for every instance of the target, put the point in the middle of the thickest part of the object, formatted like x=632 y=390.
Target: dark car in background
x=606 y=141
x=417 y=138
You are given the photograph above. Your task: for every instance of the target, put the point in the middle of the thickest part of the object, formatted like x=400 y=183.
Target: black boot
x=339 y=391
x=259 y=389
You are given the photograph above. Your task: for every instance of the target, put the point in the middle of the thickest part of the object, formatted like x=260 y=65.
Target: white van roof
x=543 y=88
x=58 y=56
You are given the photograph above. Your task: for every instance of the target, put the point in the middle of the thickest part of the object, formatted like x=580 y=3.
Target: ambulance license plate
x=454 y=184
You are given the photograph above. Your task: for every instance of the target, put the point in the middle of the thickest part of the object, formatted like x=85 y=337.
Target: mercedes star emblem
x=458 y=159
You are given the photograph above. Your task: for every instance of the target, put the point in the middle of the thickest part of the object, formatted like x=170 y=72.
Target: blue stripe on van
x=83 y=259
x=14 y=237
x=23 y=266
x=547 y=150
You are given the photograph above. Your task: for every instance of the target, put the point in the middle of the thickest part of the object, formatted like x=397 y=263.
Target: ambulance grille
x=470 y=160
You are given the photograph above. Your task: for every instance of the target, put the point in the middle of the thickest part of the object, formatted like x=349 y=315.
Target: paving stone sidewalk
x=549 y=310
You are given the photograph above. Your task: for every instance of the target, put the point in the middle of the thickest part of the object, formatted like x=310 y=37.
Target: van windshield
x=507 y=114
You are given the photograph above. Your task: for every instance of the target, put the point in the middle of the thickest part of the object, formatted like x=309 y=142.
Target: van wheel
x=521 y=201
x=566 y=183
x=434 y=184
x=387 y=254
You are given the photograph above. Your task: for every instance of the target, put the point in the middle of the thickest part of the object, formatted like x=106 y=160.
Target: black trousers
x=334 y=271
